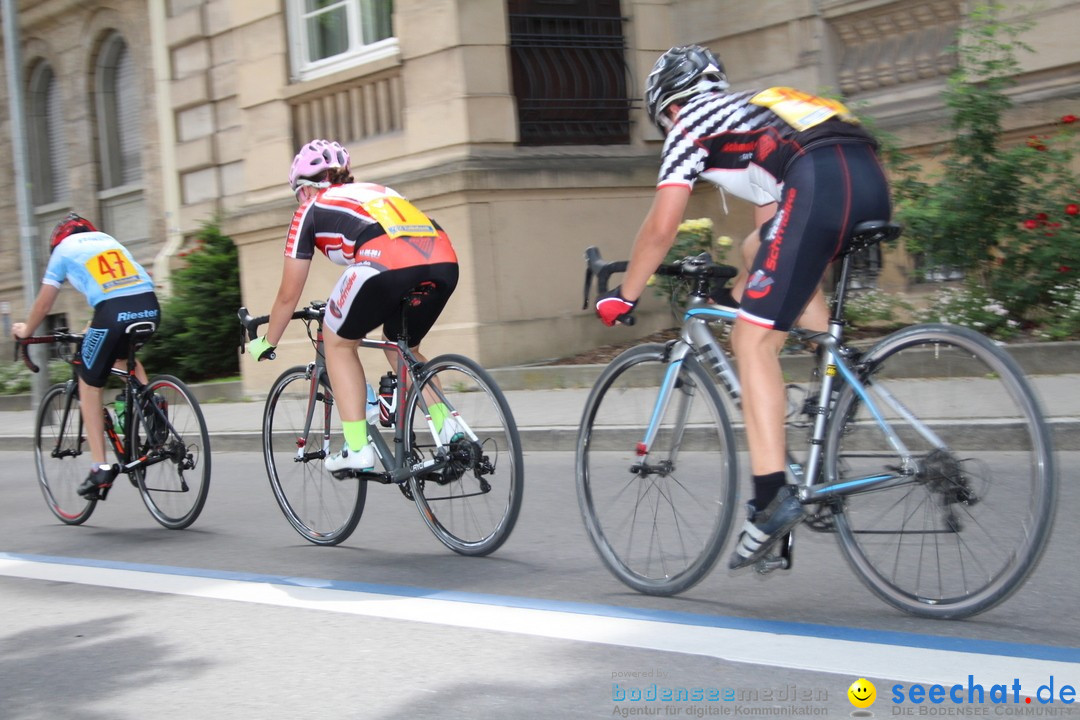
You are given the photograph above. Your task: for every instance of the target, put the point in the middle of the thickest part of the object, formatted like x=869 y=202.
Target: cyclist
x=122 y=294
x=806 y=158
x=388 y=247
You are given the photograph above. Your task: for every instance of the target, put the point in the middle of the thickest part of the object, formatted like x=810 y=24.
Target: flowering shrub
x=972 y=307
x=1062 y=316
x=875 y=308
x=1006 y=216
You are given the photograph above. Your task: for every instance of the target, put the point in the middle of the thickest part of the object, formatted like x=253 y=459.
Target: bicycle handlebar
x=313 y=311
x=22 y=345
x=700 y=267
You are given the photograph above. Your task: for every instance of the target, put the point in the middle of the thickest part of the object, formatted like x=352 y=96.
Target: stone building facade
x=517 y=124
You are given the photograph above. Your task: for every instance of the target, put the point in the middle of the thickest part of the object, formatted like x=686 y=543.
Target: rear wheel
x=972 y=521
x=58 y=453
x=172 y=435
x=298 y=428
x=472 y=503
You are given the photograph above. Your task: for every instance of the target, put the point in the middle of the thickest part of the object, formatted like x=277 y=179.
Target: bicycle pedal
x=767 y=564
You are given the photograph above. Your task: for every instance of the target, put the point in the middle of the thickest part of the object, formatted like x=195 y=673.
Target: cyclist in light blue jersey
x=122 y=294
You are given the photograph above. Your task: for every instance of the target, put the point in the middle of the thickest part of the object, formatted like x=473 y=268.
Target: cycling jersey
x=389 y=248
x=745 y=142
x=98 y=266
x=360 y=223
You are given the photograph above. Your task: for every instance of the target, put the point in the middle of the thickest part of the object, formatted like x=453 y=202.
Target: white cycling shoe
x=362 y=460
x=451 y=431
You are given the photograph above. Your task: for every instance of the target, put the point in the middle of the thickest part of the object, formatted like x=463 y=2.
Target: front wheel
x=657 y=512
x=970 y=523
x=298 y=429
x=171 y=434
x=472 y=503
x=58 y=453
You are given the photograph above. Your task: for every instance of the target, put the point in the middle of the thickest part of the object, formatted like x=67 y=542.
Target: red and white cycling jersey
x=369 y=224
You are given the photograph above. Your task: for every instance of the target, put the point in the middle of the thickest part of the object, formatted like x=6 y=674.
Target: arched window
x=118 y=108
x=119 y=115
x=47 y=139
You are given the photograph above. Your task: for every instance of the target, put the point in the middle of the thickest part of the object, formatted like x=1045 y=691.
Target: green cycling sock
x=355 y=432
x=439 y=412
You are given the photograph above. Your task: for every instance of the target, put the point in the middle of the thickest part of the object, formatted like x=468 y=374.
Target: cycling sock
x=766 y=487
x=439 y=412
x=355 y=432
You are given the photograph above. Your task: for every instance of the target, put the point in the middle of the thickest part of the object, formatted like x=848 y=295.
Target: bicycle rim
x=59 y=456
x=658 y=520
x=972 y=523
x=172 y=435
x=472 y=504
x=324 y=510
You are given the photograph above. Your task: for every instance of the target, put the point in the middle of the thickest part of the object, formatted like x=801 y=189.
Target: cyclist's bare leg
x=93 y=422
x=764 y=402
x=139 y=371
x=346 y=376
x=392 y=358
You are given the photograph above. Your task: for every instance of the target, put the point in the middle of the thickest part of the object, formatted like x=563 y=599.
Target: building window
x=119 y=115
x=48 y=141
x=330 y=35
x=569 y=72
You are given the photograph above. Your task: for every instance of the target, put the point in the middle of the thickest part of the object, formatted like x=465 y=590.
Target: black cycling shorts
x=106 y=339
x=826 y=193
x=366 y=297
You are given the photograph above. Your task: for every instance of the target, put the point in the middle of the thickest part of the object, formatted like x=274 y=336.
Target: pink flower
x=1031 y=224
x=1072 y=209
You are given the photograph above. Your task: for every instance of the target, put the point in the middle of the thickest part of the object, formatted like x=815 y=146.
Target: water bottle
x=120 y=407
x=372 y=406
x=387 y=399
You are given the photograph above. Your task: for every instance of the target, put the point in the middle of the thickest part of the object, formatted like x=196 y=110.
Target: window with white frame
x=330 y=35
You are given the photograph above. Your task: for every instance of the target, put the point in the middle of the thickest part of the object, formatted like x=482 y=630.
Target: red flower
x=1072 y=209
x=1063 y=269
x=1035 y=142
x=1068 y=119
x=1042 y=217
x=1031 y=224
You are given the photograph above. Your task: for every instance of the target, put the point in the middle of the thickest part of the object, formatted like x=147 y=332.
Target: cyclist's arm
x=293 y=276
x=654 y=238
x=42 y=304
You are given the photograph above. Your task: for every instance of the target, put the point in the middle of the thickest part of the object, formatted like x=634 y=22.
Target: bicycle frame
x=409 y=370
x=696 y=337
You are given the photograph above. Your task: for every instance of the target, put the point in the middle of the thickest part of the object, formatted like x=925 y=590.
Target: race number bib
x=112 y=270
x=399 y=217
x=801 y=110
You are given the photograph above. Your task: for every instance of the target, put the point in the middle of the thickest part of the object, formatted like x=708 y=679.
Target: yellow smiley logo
x=862 y=693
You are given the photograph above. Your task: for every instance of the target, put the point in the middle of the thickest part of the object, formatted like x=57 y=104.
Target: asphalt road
x=239 y=617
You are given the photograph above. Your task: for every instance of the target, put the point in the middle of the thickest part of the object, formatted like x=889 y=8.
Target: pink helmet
x=314 y=159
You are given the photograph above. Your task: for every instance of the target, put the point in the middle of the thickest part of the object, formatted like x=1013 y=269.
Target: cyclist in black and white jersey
x=813 y=173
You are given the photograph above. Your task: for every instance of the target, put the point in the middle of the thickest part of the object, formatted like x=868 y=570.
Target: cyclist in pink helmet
x=388 y=247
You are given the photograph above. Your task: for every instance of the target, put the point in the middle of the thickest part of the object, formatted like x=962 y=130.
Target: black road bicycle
x=468 y=490
x=162 y=445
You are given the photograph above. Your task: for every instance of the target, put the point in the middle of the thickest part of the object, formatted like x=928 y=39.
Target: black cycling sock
x=766 y=487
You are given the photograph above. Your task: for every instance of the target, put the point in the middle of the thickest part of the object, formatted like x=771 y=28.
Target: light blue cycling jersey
x=98 y=266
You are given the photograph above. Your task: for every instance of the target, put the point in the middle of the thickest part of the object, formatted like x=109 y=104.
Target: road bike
x=927 y=454
x=468 y=490
x=161 y=442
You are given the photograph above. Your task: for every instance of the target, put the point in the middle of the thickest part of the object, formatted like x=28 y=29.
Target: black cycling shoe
x=765 y=527
x=99 y=478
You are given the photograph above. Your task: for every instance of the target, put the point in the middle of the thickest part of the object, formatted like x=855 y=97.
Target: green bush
x=875 y=309
x=692 y=238
x=198 y=335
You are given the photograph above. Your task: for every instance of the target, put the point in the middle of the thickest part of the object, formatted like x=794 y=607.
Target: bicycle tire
x=58 y=451
x=322 y=509
x=171 y=433
x=472 y=505
x=659 y=532
x=973 y=523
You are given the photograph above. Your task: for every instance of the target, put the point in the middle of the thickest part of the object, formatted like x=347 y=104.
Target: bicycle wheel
x=470 y=505
x=171 y=434
x=58 y=454
x=971 y=524
x=659 y=519
x=322 y=509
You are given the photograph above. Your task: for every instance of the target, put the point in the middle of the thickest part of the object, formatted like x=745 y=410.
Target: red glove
x=613 y=306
